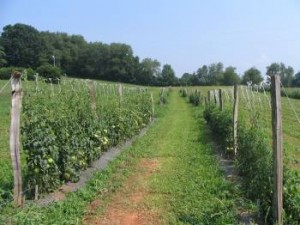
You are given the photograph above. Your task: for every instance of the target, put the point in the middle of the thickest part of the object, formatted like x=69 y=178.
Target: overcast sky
x=183 y=33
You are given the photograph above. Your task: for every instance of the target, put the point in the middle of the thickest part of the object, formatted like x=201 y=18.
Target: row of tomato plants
x=63 y=133
x=254 y=164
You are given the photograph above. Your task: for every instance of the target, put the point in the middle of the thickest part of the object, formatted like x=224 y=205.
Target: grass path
x=175 y=180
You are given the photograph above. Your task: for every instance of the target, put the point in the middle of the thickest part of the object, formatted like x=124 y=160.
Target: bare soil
x=127 y=206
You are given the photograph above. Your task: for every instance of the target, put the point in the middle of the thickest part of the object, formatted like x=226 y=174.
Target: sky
x=183 y=33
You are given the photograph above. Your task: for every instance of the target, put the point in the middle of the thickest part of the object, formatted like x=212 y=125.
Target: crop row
x=254 y=159
x=67 y=127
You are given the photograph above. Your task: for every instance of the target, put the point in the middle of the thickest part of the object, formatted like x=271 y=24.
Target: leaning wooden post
x=216 y=97
x=152 y=104
x=14 y=140
x=235 y=117
x=120 y=94
x=208 y=97
x=92 y=93
x=277 y=148
x=161 y=99
x=221 y=99
x=36 y=82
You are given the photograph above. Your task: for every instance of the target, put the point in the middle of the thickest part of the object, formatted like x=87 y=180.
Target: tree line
x=50 y=53
x=216 y=74
x=23 y=46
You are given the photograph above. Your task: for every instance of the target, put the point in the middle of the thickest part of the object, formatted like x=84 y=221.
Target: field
x=171 y=175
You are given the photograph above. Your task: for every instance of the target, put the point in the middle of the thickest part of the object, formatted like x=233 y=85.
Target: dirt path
x=127 y=206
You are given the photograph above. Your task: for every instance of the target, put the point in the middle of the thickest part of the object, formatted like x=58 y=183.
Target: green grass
x=190 y=186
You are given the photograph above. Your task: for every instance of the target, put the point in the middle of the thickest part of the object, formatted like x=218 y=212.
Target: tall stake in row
x=235 y=117
x=152 y=104
x=120 y=94
x=277 y=148
x=221 y=99
x=14 y=141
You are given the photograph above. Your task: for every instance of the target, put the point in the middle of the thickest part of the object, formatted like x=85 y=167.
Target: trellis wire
x=289 y=100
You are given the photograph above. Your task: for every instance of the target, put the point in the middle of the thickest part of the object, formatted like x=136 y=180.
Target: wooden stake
x=216 y=97
x=36 y=193
x=235 y=117
x=208 y=96
x=162 y=96
x=277 y=148
x=152 y=103
x=221 y=99
x=211 y=95
x=120 y=94
x=92 y=92
x=14 y=141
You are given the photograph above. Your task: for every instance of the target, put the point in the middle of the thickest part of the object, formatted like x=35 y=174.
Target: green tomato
x=50 y=160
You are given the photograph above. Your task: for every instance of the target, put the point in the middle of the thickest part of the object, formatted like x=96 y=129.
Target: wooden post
x=221 y=99
x=14 y=141
x=211 y=95
x=51 y=84
x=161 y=99
x=120 y=94
x=36 y=193
x=235 y=117
x=36 y=82
x=152 y=103
x=208 y=96
x=277 y=148
x=92 y=92
x=216 y=97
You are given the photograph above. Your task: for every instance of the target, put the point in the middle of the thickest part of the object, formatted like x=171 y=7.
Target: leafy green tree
x=120 y=63
x=296 y=80
x=168 y=76
x=230 y=77
x=149 y=71
x=203 y=75
x=22 y=45
x=215 y=73
x=253 y=75
x=2 y=57
x=187 y=79
x=286 y=73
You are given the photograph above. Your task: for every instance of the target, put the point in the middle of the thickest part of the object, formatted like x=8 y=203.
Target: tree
x=2 y=57
x=22 y=45
x=252 y=75
x=187 y=79
x=286 y=73
x=230 y=77
x=215 y=73
x=168 y=76
x=296 y=80
x=149 y=71
x=203 y=75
